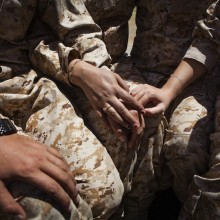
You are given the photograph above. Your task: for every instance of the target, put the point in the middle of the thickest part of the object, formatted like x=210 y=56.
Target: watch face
x=7 y=127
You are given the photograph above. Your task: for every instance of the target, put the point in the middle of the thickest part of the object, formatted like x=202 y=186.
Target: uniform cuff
x=204 y=54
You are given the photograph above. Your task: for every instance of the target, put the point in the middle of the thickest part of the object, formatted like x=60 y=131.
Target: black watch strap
x=7 y=127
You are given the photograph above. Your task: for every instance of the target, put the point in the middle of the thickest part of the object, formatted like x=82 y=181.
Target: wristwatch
x=7 y=127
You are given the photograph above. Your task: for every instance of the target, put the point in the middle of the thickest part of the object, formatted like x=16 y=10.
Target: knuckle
x=70 y=174
x=27 y=168
x=66 y=179
x=112 y=114
x=148 y=92
x=53 y=188
x=39 y=157
x=106 y=94
x=64 y=167
x=120 y=110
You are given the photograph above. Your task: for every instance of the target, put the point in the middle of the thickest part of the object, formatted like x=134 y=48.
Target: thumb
x=8 y=205
x=158 y=109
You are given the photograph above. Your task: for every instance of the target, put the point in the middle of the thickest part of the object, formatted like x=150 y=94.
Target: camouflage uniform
x=112 y=17
x=170 y=26
x=42 y=112
x=203 y=194
x=164 y=32
x=41 y=103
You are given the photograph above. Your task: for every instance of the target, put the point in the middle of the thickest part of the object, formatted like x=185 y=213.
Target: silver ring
x=105 y=109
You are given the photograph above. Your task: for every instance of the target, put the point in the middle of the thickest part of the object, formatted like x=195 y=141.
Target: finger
x=154 y=111
x=8 y=205
x=61 y=165
x=136 y=134
x=64 y=178
x=122 y=83
x=51 y=187
x=56 y=153
x=118 y=130
x=58 y=162
x=130 y=100
x=127 y=117
x=137 y=90
x=98 y=112
x=113 y=114
x=145 y=99
x=139 y=95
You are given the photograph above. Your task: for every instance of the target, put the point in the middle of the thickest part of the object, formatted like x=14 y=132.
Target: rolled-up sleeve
x=65 y=28
x=205 y=47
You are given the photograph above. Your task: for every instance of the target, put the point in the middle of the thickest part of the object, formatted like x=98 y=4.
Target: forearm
x=202 y=55
x=188 y=71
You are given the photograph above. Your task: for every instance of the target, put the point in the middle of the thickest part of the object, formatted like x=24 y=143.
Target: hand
x=29 y=161
x=106 y=90
x=131 y=136
x=154 y=100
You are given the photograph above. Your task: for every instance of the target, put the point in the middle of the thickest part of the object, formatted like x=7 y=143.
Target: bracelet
x=74 y=64
x=71 y=68
x=181 y=81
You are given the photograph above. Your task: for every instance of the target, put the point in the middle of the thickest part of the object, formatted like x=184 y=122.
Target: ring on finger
x=105 y=109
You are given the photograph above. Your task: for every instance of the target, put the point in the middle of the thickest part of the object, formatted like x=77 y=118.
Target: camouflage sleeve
x=74 y=34
x=205 y=47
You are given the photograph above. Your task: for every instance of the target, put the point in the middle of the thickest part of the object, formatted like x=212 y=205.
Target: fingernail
x=70 y=207
x=77 y=201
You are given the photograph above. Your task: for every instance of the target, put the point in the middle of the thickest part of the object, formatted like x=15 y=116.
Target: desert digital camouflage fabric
x=157 y=21
x=42 y=112
x=46 y=56
x=164 y=32
x=203 y=199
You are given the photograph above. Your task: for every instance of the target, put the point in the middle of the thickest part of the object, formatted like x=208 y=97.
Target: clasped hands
x=122 y=110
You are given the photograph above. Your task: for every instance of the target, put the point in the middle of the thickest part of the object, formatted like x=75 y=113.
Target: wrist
x=170 y=92
x=173 y=86
x=74 y=71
